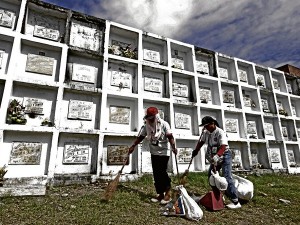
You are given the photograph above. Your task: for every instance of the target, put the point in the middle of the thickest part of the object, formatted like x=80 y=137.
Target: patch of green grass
x=131 y=204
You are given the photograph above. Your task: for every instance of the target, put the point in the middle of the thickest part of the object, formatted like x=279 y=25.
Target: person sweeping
x=159 y=135
x=219 y=155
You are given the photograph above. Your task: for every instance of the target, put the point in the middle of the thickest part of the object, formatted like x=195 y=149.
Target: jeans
x=226 y=166
x=162 y=181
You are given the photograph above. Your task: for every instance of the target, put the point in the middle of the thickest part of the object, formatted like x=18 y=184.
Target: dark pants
x=231 y=191
x=162 y=181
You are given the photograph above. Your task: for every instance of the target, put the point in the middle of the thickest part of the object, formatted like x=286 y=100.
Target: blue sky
x=265 y=32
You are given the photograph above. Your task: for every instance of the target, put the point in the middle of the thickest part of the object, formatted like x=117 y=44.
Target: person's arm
x=199 y=145
x=172 y=142
x=135 y=143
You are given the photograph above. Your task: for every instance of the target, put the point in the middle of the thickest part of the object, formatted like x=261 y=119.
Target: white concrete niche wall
x=245 y=73
x=279 y=82
x=184 y=155
x=271 y=128
x=293 y=158
x=154 y=50
x=91 y=67
x=6 y=44
x=12 y=6
x=22 y=169
x=250 y=100
x=183 y=88
x=204 y=63
x=277 y=155
x=155 y=83
x=118 y=147
x=2 y=85
x=181 y=56
x=215 y=113
x=87 y=120
x=230 y=96
x=295 y=106
x=84 y=147
x=262 y=74
x=267 y=103
x=259 y=155
x=46 y=56
x=121 y=77
x=209 y=86
x=227 y=69
x=241 y=160
x=186 y=121
x=288 y=130
x=119 y=115
x=234 y=125
x=254 y=127
x=45 y=23
x=283 y=105
x=28 y=94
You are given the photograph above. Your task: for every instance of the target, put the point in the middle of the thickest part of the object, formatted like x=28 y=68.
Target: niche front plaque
x=265 y=105
x=291 y=158
x=223 y=72
x=151 y=55
x=251 y=129
x=260 y=79
x=120 y=115
x=243 y=75
x=39 y=64
x=1 y=57
x=25 y=153
x=121 y=79
x=76 y=153
x=83 y=73
x=184 y=155
x=80 y=110
x=177 y=62
x=205 y=94
x=269 y=129
x=237 y=159
x=153 y=84
x=85 y=37
x=182 y=121
x=231 y=125
x=180 y=90
x=275 y=156
x=7 y=18
x=228 y=97
x=202 y=67
x=117 y=154
x=34 y=105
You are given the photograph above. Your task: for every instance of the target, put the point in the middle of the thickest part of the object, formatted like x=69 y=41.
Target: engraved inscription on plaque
x=117 y=154
x=237 y=159
x=182 y=121
x=85 y=37
x=39 y=64
x=247 y=101
x=243 y=75
x=260 y=80
x=284 y=133
x=228 y=96
x=280 y=106
x=251 y=128
x=269 y=129
x=25 y=153
x=275 y=155
x=177 y=62
x=180 y=90
x=1 y=57
x=153 y=84
x=119 y=115
x=184 y=155
x=120 y=79
x=223 y=72
x=76 y=153
x=80 y=110
x=7 y=18
x=294 y=110
x=289 y=88
x=202 y=67
x=205 y=94
x=276 y=84
x=47 y=33
x=265 y=105
x=34 y=105
x=151 y=55
x=291 y=157
x=231 y=125
x=84 y=73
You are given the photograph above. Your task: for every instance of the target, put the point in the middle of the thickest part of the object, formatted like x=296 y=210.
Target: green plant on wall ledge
x=3 y=171
x=127 y=51
x=47 y=122
x=15 y=113
x=259 y=83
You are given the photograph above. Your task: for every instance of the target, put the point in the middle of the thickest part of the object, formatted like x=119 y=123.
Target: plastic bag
x=245 y=188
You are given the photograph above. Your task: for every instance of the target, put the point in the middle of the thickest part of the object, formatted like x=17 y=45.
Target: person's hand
x=215 y=159
x=174 y=150
x=194 y=153
x=131 y=149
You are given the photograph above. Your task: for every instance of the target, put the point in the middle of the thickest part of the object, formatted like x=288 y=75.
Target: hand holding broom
x=112 y=186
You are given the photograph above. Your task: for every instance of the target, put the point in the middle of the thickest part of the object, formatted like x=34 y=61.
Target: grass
x=131 y=205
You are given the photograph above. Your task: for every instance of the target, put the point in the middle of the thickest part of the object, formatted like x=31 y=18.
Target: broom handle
x=124 y=163
x=177 y=169
x=193 y=157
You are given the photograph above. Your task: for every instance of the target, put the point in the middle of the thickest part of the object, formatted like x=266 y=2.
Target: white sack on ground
x=244 y=187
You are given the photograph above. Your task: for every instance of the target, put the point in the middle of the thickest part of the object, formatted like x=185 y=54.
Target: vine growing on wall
x=16 y=113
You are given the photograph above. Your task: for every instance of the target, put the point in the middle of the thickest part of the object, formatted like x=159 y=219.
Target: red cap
x=151 y=112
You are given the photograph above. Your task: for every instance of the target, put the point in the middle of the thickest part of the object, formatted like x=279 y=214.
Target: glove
x=194 y=153
x=215 y=159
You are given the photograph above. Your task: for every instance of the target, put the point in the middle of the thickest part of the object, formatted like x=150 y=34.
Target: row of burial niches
x=51 y=24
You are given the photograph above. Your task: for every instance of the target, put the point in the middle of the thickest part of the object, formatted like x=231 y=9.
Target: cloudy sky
x=266 y=32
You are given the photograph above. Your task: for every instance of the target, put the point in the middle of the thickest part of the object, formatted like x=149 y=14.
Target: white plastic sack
x=245 y=188
x=216 y=180
x=192 y=209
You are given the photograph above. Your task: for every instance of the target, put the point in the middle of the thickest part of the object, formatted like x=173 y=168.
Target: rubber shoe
x=166 y=199
x=158 y=198
x=234 y=206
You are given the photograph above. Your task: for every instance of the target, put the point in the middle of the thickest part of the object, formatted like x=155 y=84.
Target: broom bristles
x=111 y=188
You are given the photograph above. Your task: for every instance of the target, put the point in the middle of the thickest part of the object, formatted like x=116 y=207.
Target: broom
x=112 y=186
x=183 y=178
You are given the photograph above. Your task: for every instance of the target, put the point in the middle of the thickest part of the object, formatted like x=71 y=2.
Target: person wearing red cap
x=158 y=133
x=218 y=154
